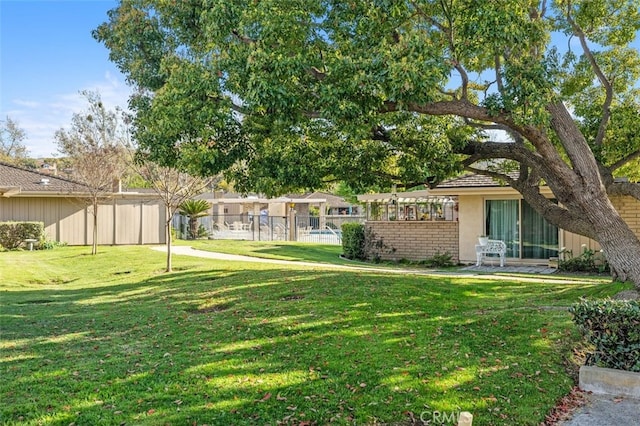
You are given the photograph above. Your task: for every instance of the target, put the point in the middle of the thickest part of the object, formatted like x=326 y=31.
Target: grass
x=282 y=250
x=110 y=339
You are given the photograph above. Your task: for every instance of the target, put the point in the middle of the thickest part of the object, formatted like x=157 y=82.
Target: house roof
x=466 y=184
x=331 y=200
x=472 y=181
x=17 y=180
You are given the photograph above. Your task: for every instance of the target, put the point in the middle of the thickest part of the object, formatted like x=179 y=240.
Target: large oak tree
x=302 y=92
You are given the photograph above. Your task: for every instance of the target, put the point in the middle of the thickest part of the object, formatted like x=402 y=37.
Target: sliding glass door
x=539 y=237
x=530 y=238
x=502 y=223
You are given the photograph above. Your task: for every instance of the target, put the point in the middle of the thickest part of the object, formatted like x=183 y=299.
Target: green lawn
x=111 y=339
x=282 y=250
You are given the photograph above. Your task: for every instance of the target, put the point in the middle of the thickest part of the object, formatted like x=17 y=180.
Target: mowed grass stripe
x=111 y=339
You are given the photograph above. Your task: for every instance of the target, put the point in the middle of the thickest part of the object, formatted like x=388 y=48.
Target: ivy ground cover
x=111 y=339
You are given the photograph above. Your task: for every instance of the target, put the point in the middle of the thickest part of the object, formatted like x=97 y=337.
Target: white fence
x=311 y=229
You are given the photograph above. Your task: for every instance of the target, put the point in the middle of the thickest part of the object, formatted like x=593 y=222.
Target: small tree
x=94 y=147
x=194 y=209
x=174 y=188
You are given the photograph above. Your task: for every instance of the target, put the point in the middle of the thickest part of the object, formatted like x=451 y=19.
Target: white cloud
x=40 y=119
x=27 y=104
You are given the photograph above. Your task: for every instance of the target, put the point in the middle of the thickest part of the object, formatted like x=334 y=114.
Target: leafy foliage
x=302 y=94
x=439 y=260
x=194 y=209
x=613 y=327
x=588 y=261
x=13 y=234
x=353 y=241
x=12 y=148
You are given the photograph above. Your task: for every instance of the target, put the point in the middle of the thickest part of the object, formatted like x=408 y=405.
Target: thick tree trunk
x=620 y=245
x=587 y=197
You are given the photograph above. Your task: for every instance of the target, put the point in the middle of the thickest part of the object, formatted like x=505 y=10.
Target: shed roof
x=19 y=181
x=16 y=180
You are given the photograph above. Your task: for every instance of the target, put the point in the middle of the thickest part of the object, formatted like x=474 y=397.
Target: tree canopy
x=283 y=94
x=12 y=148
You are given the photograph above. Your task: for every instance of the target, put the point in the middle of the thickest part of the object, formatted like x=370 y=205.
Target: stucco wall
x=471 y=217
x=415 y=240
x=120 y=221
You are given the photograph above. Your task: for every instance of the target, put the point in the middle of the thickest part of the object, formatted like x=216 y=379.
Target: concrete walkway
x=486 y=272
x=605 y=410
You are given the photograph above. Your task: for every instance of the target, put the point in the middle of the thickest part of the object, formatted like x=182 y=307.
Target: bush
x=439 y=260
x=587 y=261
x=613 y=327
x=13 y=234
x=353 y=241
x=50 y=244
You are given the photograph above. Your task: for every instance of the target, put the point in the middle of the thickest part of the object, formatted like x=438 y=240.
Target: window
x=526 y=234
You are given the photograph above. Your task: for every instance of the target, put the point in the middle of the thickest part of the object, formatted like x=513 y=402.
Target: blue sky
x=47 y=56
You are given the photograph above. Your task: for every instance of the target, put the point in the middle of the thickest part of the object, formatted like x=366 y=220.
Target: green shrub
x=613 y=327
x=588 y=261
x=51 y=244
x=439 y=260
x=13 y=234
x=353 y=241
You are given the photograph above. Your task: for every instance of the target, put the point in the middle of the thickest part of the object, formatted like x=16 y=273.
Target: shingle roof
x=472 y=181
x=17 y=179
x=332 y=200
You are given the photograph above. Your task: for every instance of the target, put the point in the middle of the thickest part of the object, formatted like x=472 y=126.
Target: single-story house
x=124 y=217
x=416 y=225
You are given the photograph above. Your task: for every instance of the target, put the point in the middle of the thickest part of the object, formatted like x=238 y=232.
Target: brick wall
x=415 y=240
x=629 y=209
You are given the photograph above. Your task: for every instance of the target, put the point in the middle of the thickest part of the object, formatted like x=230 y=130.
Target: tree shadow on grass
x=282 y=346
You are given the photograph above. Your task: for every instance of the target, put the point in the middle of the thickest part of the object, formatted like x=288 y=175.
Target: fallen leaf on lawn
x=266 y=397
x=280 y=398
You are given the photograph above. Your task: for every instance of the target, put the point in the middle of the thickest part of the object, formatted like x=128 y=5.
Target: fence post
x=292 y=222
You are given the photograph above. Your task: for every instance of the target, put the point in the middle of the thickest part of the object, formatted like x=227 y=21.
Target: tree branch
x=555 y=214
x=621 y=162
x=448 y=31
x=624 y=188
x=244 y=39
x=606 y=112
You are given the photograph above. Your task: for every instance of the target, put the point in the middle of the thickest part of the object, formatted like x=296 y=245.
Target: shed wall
x=120 y=221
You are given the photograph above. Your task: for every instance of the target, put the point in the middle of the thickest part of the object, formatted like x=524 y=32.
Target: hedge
x=13 y=234
x=613 y=327
x=353 y=240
